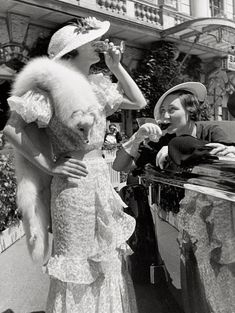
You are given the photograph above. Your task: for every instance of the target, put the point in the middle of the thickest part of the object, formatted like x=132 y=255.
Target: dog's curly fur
x=69 y=92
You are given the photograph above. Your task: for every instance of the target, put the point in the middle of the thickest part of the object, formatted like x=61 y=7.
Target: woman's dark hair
x=70 y=55
x=198 y=111
x=191 y=103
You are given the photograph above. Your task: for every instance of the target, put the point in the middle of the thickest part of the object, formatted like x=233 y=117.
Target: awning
x=205 y=37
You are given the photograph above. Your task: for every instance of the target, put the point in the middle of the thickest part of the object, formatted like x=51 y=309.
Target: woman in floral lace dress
x=87 y=268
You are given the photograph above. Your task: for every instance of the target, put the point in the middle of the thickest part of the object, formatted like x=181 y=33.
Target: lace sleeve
x=33 y=106
x=110 y=95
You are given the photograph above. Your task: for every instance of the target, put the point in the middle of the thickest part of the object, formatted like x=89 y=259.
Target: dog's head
x=82 y=123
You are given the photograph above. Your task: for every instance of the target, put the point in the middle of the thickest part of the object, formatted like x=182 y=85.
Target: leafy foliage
x=162 y=68
x=9 y=214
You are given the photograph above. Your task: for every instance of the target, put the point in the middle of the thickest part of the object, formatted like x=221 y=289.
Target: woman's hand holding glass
x=112 y=56
x=149 y=131
x=69 y=167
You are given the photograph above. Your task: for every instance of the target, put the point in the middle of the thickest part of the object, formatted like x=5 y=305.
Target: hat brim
x=196 y=88
x=82 y=39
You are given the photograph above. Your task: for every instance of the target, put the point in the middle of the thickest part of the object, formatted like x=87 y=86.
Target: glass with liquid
x=103 y=46
x=163 y=126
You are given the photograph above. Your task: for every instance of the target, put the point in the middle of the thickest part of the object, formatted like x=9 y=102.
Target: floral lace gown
x=87 y=269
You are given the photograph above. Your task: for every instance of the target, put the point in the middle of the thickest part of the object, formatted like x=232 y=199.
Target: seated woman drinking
x=205 y=222
x=180 y=109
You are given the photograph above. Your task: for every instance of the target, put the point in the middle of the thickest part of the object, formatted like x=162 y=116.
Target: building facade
x=140 y=23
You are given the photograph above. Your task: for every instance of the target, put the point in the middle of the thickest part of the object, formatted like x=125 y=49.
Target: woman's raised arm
x=133 y=97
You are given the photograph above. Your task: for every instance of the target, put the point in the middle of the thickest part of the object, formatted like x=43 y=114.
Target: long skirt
x=88 y=268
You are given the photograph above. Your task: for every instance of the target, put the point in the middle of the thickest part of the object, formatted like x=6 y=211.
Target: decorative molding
x=11 y=51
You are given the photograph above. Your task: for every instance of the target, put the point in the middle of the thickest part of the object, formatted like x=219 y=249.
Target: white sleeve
x=33 y=106
x=114 y=96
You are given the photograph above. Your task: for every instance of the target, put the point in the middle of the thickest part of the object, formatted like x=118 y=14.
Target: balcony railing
x=147 y=13
x=117 y=6
x=134 y=9
x=140 y=11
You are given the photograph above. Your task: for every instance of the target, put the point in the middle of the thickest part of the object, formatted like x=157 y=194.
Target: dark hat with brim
x=189 y=151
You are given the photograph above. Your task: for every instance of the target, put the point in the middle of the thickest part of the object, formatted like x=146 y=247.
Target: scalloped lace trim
x=73 y=269
x=114 y=227
x=85 y=271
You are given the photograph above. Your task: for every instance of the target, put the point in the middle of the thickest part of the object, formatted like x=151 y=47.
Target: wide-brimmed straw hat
x=73 y=36
x=196 y=88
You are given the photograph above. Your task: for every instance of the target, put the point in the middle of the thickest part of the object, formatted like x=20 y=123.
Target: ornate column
x=200 y=8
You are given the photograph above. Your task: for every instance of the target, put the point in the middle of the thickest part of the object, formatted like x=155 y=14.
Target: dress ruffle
x=113 y=228
x=33 y=106
x=206 y=226
x=112 y=293
x=109 y=94
x=72 y=269
x=112 y=231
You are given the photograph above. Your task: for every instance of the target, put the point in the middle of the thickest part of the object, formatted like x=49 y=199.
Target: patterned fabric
x=88 y=267
x=33 y=106
x=107 y=92
x=206 y=226
x=90 y=230
x=112 y=293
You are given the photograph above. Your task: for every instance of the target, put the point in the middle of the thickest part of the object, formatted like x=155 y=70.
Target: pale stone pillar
x=200 y=8
x=130 y=8
x=233 y=9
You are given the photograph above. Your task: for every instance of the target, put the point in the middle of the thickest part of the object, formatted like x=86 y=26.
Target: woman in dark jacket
x=179 y=108
x=205 y=222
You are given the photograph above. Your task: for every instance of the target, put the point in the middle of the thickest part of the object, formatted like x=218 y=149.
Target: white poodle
x=75 y=105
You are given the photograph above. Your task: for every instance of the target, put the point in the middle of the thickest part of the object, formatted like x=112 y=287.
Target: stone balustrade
x=163 y=16
x=180 y=19
x=117 y=6
x=134 y=9
x=147 y=13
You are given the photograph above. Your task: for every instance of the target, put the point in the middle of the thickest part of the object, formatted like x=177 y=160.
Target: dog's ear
x=77 y=114
x=75 y=118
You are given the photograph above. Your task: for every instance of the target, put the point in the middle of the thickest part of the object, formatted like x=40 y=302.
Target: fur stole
x=68 y=88
x=76 y=106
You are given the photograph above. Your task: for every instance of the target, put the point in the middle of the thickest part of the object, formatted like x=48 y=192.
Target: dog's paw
x=33 y=235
